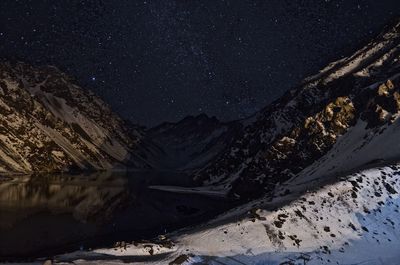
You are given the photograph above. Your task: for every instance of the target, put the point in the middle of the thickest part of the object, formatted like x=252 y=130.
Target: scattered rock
x=255 y=215
x=181 y=259
x=364 y=228
x=389 y=188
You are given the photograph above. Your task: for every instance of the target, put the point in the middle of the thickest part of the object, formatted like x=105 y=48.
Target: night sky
x=161 y=60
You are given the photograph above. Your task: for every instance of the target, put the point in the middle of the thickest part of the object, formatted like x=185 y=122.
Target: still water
x=51 y=214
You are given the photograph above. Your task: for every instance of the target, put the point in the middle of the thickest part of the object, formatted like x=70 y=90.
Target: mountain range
x=339 y=120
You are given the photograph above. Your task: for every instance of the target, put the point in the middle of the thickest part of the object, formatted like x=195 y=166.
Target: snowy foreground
x=355 y=220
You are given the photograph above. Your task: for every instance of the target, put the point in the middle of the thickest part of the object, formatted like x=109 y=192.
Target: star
x=170 y=59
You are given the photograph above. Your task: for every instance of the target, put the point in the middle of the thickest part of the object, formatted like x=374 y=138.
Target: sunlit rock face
x=48 y=123
x=343 y=118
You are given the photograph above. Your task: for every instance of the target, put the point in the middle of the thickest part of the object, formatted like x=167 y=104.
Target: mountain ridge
x=247 y=156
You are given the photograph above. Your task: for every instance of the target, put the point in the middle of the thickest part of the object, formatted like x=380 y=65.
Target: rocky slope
x=50 y=124
x=341 y=119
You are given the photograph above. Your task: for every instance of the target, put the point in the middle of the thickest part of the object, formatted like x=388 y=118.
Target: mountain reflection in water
x=87 y=199
x=44 y=215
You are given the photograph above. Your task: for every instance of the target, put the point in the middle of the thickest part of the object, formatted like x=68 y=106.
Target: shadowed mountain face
x=193 y=142
x=50 y=124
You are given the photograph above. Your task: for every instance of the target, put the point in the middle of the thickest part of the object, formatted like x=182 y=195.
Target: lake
x=45 y=215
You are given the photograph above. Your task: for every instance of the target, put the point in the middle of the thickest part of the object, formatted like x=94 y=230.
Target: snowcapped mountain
x=191 y=142
x=50 y=124
x=342 y=119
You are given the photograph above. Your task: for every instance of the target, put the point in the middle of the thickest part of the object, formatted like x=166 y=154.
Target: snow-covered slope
x=339 y=120
x=354 y=220
x=191 y=142
x=339 y=223
x=48 y=123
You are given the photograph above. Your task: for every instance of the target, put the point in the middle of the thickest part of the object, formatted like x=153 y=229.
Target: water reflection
x=43 y=215
x=87 y=198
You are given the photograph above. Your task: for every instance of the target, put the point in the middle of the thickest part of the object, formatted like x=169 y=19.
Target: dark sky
x=162 y=60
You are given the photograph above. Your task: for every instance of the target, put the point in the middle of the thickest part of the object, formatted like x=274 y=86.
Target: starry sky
x=162 y=60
